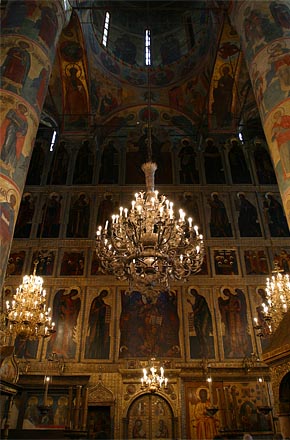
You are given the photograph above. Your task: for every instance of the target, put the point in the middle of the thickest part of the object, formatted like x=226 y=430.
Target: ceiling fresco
x=94 y=88
x=181 y=38
x=74 y=78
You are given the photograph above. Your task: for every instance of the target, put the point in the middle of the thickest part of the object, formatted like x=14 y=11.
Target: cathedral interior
x=90 y=92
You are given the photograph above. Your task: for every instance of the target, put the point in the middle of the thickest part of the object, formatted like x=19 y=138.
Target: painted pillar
x=264 y=29
x=29 y=34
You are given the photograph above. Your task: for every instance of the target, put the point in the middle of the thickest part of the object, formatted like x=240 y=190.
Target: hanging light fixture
x=151 y=380
x=147 y=244
x=27 y=314
x=278 y=298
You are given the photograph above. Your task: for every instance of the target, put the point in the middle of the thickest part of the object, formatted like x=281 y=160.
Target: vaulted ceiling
x=104 y=91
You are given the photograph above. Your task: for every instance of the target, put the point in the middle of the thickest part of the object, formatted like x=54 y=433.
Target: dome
x=181 y=37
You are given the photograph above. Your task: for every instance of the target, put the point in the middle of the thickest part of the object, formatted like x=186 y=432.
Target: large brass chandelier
x=147 y=245
x=278 y=297
x=27 y=314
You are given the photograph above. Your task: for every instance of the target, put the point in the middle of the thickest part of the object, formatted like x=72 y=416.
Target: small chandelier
x=27 y=314
x=147 y=245
x=151 y=380
x=278 y=297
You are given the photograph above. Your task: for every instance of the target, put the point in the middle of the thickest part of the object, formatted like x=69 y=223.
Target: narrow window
x=66 y=5
x=106 y=29
x=52 y=142
x=241 y=137
x=147 y=47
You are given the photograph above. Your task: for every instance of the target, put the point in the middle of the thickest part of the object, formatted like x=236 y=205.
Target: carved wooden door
x=150 y=417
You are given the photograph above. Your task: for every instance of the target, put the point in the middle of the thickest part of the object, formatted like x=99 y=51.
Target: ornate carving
x=100 y=394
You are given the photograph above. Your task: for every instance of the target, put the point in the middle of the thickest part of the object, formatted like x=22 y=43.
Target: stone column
x=29 y=33
x=264 y=30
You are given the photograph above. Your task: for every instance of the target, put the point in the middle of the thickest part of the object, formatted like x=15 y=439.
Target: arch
x=277 y=375
x=284 y=394
x=284 y=405
x=100 y=395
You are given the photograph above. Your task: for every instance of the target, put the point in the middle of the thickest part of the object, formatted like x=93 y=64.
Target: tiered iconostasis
x=104 y=333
